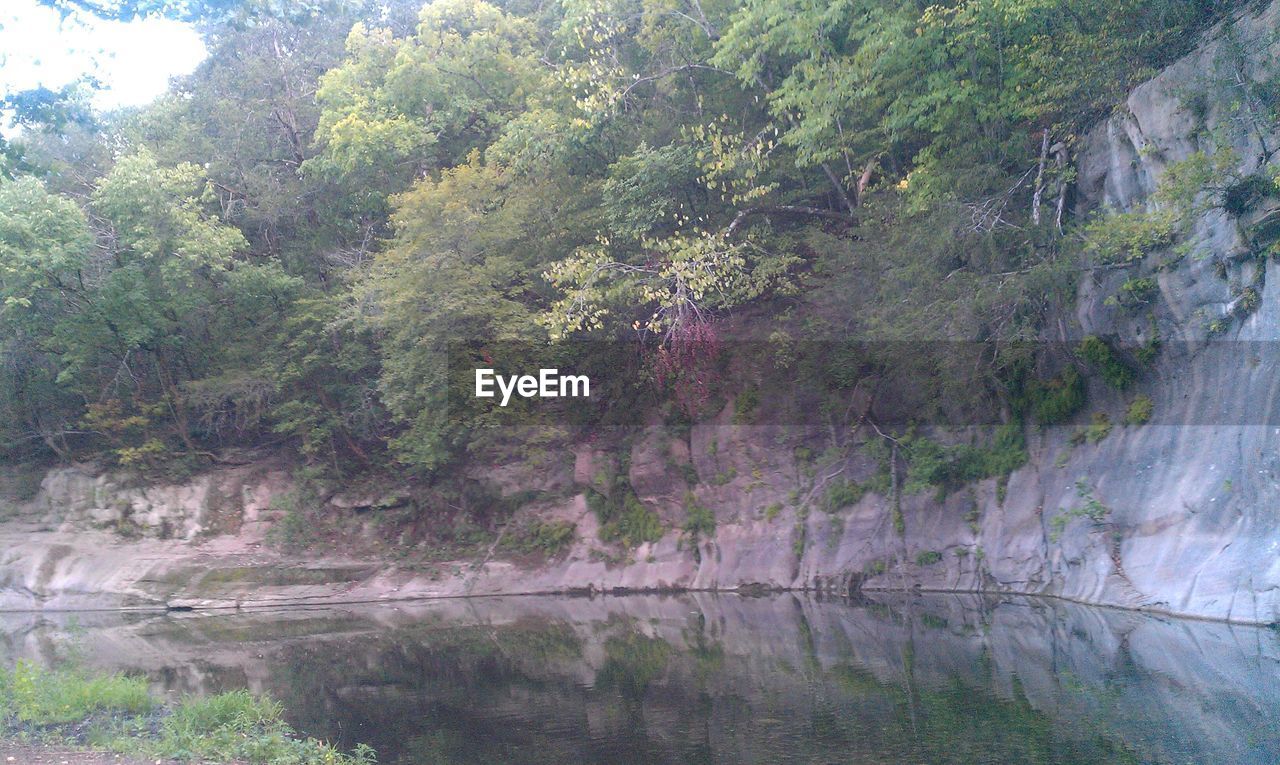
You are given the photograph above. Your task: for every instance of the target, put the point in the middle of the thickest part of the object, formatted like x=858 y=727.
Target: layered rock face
x=1178 y=515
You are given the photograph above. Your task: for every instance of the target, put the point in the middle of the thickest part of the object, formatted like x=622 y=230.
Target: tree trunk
x=864 y=180
x=839 y=187
x=1060 y=159
x=1035 y=198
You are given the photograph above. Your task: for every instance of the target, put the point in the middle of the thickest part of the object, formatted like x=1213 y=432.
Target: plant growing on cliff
x=946 y=468
x=1099 y=354
x=1056 y=400
x=700 y=521
x=841 y=494
x=626 y=519
x=1131 y=236
x=1099 y=427
x=1135 y=293
x=542 y=537
x=928 y=558
x=1139 y=411
x=1091 y=509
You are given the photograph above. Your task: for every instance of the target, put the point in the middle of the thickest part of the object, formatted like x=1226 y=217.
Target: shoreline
x=589 y=593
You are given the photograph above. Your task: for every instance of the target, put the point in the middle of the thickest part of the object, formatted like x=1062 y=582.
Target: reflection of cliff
x=705 y=678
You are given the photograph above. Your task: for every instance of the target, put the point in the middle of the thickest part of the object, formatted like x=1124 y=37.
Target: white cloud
x=133 y=60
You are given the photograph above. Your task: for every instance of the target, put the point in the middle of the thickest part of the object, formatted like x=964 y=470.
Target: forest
x=350 y=203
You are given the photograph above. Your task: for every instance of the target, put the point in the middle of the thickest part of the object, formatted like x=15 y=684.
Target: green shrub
x=549 y=538
x=1102 y=357
x=1092 y=509
x=841 y=494
x=690 y=473
x=1243 y=195
x=296 y=530
x=1131 y=236
x=724 y=476
x=1146 y=354
x=1056 y=400
x=949 y=467
x=1099 y=428
x=1135 y=293
x=1140 y=410
x=700 y=520
x=928 y=558
x=628 y=522
x=1247 y=301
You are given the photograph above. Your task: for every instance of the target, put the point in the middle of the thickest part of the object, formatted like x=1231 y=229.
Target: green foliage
x=1099 y=354
x=1146 y=353
x=724 y=476
x=845 y=79
x=1242 y=196
x=745 y=404
x=643 y=190
x=1136 y=293
x=299 y=528
x=548 y=538
x=1099 y=428
x=700 y=521
x=1056 y=400
x=228 y=727
x=400 y=200
x=1131 y=236
x=841 y=494
x=931 y=464
x=928 y=558
x=1091 y=509
x=33 y=694
x=1139 y=411
x=237 y=726
x=625 y=520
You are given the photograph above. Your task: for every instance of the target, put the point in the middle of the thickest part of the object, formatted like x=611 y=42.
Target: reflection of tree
x=633 y=662
x=677 y=690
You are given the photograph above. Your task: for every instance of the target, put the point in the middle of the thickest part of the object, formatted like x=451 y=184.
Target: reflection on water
x=723 y=679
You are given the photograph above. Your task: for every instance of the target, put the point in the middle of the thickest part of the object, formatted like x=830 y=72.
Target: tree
x=44 y=251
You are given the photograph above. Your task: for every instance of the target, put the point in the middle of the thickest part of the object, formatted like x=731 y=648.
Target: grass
x=74 y=706
x=539 y=537
x=39 y=697
x=624 y=518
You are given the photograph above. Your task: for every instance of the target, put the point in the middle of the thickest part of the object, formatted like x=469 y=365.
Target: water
x=718 y=679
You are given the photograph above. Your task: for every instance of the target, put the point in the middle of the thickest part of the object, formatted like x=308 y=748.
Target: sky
x=133 y=60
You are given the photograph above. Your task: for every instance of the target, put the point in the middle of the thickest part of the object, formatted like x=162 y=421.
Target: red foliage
x=687 y=361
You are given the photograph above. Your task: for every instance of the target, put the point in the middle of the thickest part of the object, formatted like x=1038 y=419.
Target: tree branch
x=817 y=212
